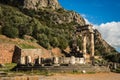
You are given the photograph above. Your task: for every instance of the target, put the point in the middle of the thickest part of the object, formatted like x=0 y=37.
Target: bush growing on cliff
x=11 y=32
x=63 y=42
x=113 y=57
x=54 y=42
x=43 y=40
x=0 y=29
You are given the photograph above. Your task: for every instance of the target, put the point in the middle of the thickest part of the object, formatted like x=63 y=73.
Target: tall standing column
x=39 y=60
x=56 y=61
x=28 y=60
x=92 y=44
x=22 y=60
x=84 y=44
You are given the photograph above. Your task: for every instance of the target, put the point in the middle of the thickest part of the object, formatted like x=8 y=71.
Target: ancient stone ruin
x=33 y=56
x=24 y=56
x=31 y=59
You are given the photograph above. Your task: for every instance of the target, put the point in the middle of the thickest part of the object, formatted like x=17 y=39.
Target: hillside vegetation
x=49 y=27
x=16 y=24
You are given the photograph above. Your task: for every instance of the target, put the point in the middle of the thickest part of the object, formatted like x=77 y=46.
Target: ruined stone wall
x=71 y=60
x=6 y=53
x=33 y=53
x=87 y=60
x=16 y=54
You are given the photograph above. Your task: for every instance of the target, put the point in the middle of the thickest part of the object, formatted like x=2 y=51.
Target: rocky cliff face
x=101 y=45
x=33 y=4
x=62 y=16
x=37 y=4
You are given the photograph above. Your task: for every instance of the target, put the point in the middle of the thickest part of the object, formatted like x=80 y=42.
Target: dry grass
x=17 y=41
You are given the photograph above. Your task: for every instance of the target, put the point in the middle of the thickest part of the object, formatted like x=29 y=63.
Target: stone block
x=72 y=60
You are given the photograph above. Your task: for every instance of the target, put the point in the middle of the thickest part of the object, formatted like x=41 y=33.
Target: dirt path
x=97 y=76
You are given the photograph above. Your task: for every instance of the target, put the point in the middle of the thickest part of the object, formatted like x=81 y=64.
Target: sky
x=103 y=14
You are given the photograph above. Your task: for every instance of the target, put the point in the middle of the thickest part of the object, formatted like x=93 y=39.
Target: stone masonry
x=6 y=53
x=21 y=54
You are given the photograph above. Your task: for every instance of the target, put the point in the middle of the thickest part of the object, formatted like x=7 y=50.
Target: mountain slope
x=50 y=24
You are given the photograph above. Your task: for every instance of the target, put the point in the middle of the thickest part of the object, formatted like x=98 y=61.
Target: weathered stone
x=82 y=61
x=92 y=44
x=33 y=4
x=6 y=53
x=22 y=60
x=66 y=60
x=2 y=65
x=28 y=59
x=61 y=60
x=34 y=53
x=84 y=71
x=72 y=60
x=39 y=60
x=115 y=65
x=84 y=44
x=77 y=60
x=56 y=60
x=38 y=4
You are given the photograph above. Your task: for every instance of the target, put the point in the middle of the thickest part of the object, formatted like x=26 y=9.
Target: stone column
x=82 y=61
x=39 y=60
x=22 y=60
x=92 y=44
x=84 y=44
x=72 y=60
x=56 y=61
x=28 y=59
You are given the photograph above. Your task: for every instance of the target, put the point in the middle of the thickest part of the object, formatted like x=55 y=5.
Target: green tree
x=0 y=29
x=11 y=32
x=43 y=41
x=63 y=43
x=79 y=42
x=54 y=42
x=36 y=27
x=25 y=29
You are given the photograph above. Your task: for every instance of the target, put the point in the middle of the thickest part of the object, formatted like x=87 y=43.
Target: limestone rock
x=33 y=4
x=62 y=17
x=2 y=65
x=101 y=42
x=37 y=4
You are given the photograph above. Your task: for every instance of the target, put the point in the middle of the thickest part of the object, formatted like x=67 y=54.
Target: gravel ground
x=97 y=76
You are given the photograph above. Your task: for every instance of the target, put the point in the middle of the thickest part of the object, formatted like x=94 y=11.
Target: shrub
x=113 y=57
x=54 y=42
x=11 y=32
x=63 y=43
x=25 y=30
x=0 y=30
x=43 y=41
